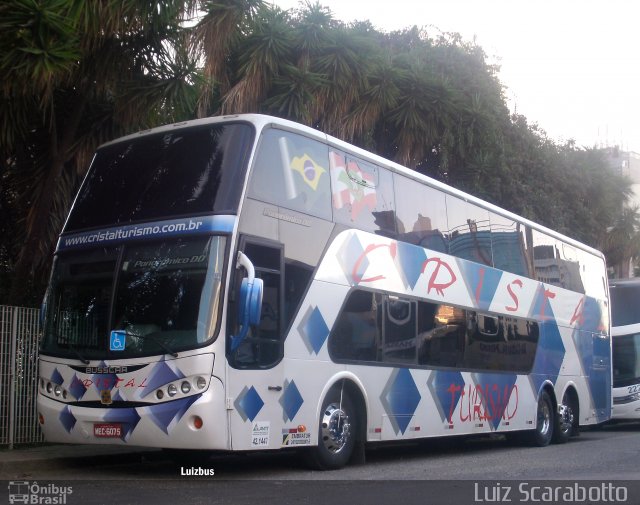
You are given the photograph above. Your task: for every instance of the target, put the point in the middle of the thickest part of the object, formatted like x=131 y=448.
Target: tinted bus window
x=185 y=172
x=422 y=214
x=292 y=171
x=626 y=360
x=625 y=305
x=509 y=246
x=362 y=194
x=469 y=231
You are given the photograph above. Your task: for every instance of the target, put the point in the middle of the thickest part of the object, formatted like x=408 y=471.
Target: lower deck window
x=382 y=328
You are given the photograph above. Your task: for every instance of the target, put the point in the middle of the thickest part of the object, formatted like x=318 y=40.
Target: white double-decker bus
x=625 y=337
x=246 y=283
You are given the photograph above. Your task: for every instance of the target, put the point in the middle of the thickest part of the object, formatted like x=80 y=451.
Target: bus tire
x=543 y=433
x=337 y=431
x=566 y=419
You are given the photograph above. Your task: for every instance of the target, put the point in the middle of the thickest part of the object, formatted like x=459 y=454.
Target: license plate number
x=107 y=430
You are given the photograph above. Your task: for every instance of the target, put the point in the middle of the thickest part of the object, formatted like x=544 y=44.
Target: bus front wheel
x=336 y=432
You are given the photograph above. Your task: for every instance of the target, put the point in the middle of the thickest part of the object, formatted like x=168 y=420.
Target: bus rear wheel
x=336 y=432
x=566 y=419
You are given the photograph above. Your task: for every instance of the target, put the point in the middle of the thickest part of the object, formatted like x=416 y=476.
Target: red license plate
x=107 y=430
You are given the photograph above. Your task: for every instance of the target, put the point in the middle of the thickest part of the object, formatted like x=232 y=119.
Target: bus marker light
x=40 y=418
x=302 y=428
x=197 y=422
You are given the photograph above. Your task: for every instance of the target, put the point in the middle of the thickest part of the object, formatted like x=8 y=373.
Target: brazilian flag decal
x=309 y=169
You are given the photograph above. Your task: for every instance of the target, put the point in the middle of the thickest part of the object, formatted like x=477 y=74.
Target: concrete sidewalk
x=49 y=455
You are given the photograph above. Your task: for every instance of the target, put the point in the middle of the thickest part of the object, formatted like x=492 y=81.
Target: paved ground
x=39 y=457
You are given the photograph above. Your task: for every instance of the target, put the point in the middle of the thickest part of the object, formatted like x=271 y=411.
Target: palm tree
x=621 y=243
x=215 y=37
x=77 y=73
x=260 y=55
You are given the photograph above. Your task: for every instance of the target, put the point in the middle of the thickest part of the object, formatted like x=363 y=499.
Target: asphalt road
x=447 y=471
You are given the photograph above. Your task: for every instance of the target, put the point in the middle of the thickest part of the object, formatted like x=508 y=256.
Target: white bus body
x=248 y=283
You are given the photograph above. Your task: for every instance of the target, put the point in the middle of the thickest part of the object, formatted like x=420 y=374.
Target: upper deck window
x=178 y=173
x=362 y=194
x=292 y=171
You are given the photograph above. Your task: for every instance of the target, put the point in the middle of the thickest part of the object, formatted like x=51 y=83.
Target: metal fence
x=19 y=336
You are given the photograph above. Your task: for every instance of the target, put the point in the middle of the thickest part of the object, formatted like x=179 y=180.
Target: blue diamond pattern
x=400 y=398
x=248 y=403
x=56 y=377
x=410 y=260
x=496 y=392
x=160 y=375
x=77 y=388
x=314 y=330
x=549 y=356
x=104 y=381
x=164 y=414
x=128 y=417
x=291 y=401
x=349 y=254
x=595 y=356
x=67 y=419
x=446 y=388
x=481 y=281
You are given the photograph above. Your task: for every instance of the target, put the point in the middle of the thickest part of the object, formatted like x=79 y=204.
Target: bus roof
x=261 y=121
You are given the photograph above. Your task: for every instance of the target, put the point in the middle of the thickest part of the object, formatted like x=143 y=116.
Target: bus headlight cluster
x=182 y=387
x=53 y=389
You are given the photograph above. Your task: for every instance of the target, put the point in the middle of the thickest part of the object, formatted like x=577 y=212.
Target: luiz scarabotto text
x=529 y=492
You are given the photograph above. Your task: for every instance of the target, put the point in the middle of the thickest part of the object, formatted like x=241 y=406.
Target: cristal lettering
x=518 y=283
x=548 y=295
x=438 y=286
x=578 y=314
x=357 y=277
x=479 y=286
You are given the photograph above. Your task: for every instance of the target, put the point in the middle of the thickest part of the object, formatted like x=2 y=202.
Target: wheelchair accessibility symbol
x=118 y=340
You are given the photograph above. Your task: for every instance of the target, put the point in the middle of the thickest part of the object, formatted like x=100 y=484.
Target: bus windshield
x=626 y=360
x=163 y=296
x=186 y=172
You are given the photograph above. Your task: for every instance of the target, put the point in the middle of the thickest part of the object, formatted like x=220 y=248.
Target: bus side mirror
x=250 y=307
x=249 y=301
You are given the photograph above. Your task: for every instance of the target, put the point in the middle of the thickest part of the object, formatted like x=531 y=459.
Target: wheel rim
x=565 y=413
x=544 y=417
x=335 y=428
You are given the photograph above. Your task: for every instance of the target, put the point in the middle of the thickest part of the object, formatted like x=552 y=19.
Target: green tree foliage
x=77 y=73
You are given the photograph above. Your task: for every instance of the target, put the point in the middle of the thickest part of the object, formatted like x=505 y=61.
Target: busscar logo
x=21 y=491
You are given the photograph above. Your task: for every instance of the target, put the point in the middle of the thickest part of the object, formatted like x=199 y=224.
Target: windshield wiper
x=75 y=350
x=152 y=338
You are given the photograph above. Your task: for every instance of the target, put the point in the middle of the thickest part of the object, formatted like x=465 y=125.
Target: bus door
x=255 y=376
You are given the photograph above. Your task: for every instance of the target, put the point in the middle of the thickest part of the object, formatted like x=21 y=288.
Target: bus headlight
x=49 y=387
x=185 y=387
x=172 y=390
x=57 y=390
x=201 y=383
